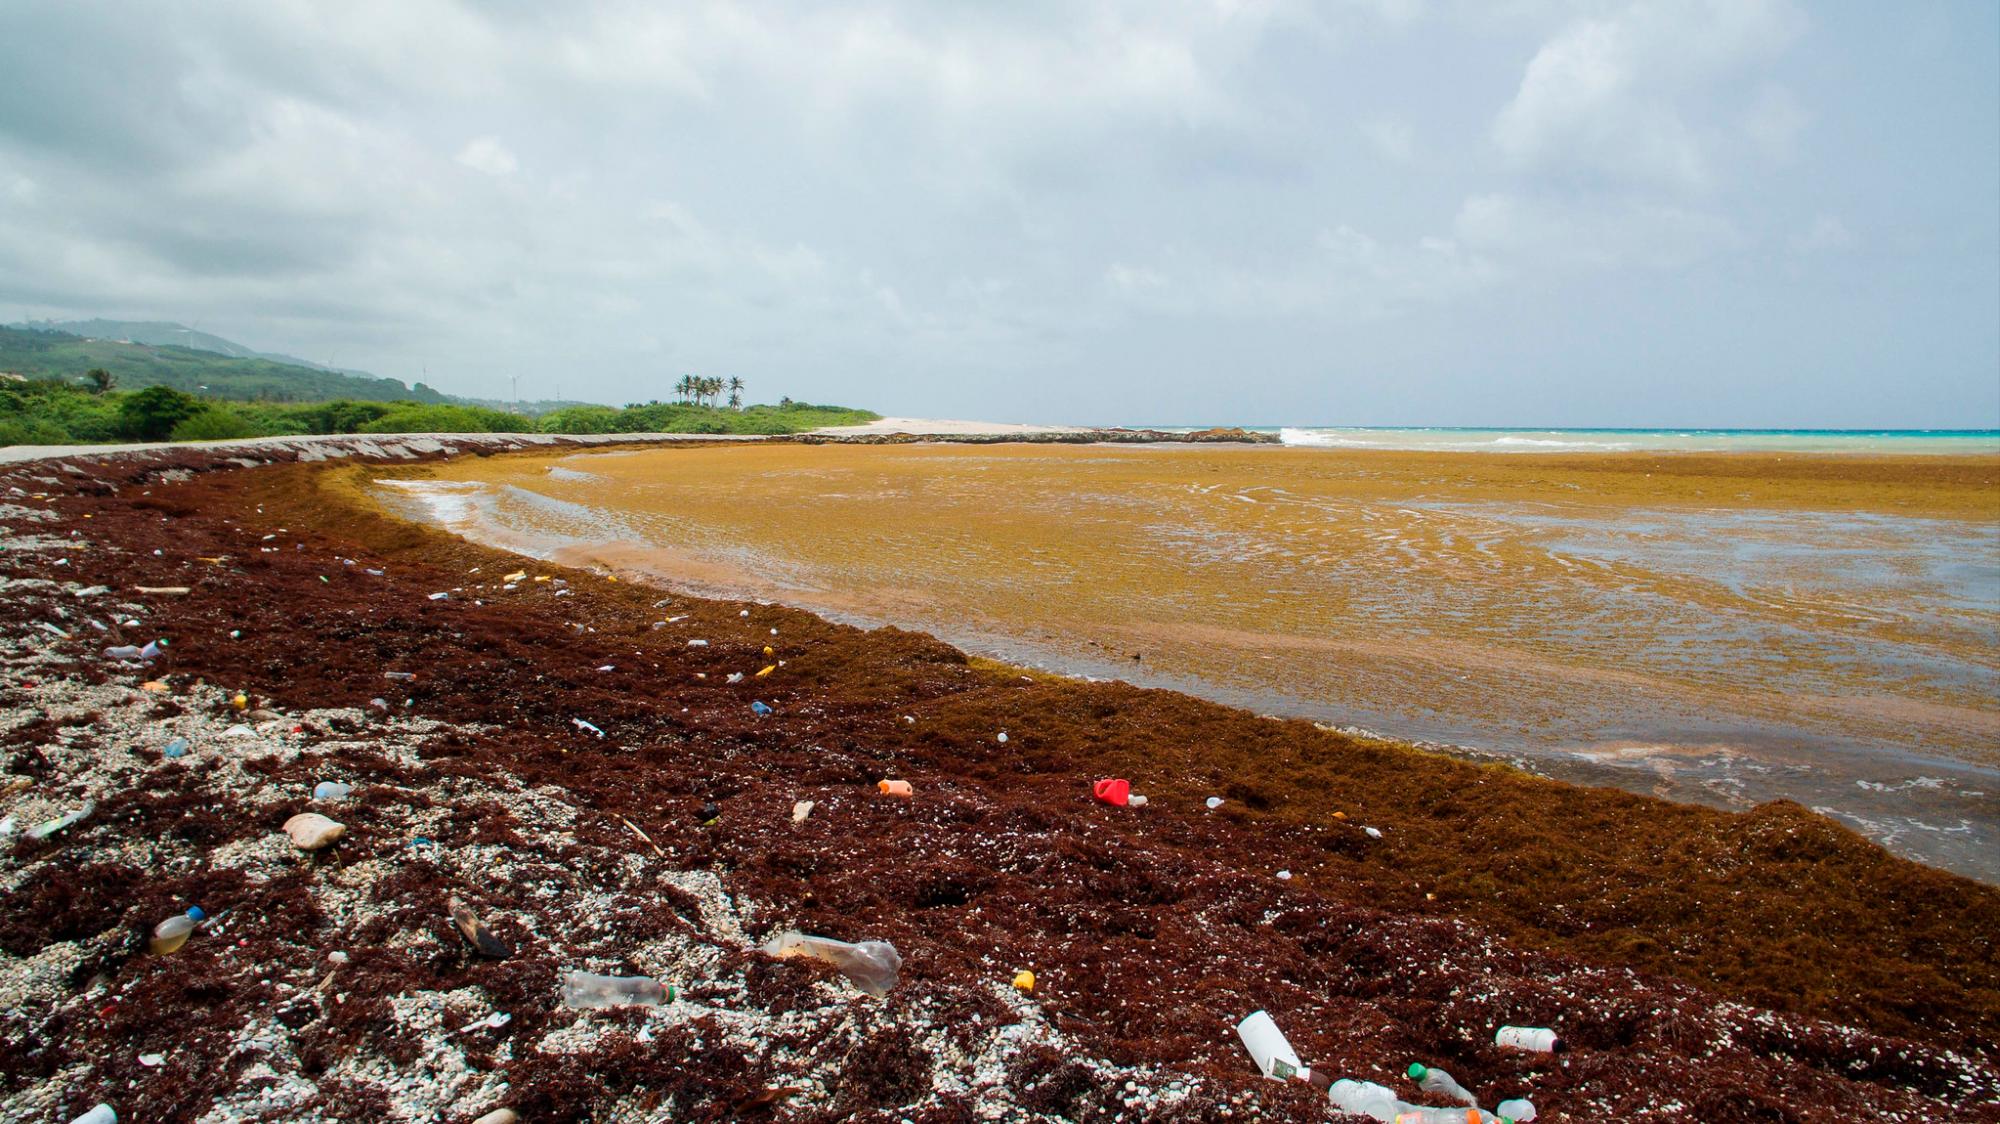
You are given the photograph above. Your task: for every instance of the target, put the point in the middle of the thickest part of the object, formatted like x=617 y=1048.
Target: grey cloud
x=968 y=209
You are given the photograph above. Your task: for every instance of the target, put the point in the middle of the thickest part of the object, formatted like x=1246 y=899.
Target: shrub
x=405 y=418
x=213 y=424
x=151 y=414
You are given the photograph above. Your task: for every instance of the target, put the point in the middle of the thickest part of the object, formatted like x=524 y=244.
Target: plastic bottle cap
x=1417 y=1071
x=195 y=913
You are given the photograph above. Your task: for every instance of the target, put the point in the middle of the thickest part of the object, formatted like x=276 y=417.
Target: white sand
x=942 y=427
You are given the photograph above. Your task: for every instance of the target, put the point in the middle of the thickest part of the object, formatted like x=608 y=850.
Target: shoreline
x=1541 y=898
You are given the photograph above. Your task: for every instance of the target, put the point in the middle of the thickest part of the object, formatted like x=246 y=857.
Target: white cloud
x=1619 y=97
x=487 y=154
x=1526 y=233
x=1392 y=138
x=1827 y=234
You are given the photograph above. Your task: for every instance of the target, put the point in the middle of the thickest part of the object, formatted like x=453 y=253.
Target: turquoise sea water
x=1502 y=440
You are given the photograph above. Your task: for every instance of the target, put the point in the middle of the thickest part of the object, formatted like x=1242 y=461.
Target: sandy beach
x=562 y=757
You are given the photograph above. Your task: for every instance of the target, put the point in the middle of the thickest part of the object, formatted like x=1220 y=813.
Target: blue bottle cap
x=196 y=913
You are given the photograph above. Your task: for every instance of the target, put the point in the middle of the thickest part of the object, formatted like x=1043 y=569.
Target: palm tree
x=735 y=393
x=685 y=387
x=100 y=380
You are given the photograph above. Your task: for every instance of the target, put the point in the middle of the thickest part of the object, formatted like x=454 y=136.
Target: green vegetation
x=682 y=417
x=51 y=412
x=40 y=354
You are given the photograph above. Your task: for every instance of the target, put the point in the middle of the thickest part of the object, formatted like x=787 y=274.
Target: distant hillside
x=165 y=333
x=39 y=352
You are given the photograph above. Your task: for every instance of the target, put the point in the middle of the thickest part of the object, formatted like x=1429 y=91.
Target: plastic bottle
x=1365 y=1098
x=1437 y=1081
x=1268 y=1046
x=585 y=990
x=102 y=1114
x=872 y=966
x=332 y=790
x=170 y=935
x=1536 y=1038
x=176 y=748
x=1415 y=1115
x=1519 y=1110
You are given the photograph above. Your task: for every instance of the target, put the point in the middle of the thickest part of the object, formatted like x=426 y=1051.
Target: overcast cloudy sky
x=1740 y=212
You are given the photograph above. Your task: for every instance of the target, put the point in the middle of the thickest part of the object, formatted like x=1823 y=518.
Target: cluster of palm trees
x=702 y=390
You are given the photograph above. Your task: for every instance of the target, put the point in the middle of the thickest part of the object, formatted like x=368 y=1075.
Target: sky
x=1394 y=212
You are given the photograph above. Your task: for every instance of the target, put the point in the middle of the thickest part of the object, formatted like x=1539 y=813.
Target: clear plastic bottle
x=1519 y=1110
x=1433 y=1080
x=585 y=990
x=872 y=966
x=170 y=935
x=1412 y=1114
x=1365 y=1098
x=1537 y=1038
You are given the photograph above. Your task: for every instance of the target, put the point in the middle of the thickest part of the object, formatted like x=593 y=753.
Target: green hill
x=41 y=353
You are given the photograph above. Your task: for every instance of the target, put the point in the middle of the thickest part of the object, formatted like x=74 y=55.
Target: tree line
x=702 y=390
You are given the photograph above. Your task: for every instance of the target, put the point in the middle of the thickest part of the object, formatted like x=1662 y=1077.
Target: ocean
x=1483 y=439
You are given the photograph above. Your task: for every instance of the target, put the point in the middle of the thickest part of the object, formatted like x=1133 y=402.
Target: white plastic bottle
x=1538 y=1038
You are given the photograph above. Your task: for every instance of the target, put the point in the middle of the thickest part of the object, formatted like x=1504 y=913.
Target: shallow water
x=1714 y=637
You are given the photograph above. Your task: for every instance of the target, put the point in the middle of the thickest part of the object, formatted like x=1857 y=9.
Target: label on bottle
x=1527 y=1038
x=1282 y=1069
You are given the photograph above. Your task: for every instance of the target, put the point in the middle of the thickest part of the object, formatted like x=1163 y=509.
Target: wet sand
x=1722 y=628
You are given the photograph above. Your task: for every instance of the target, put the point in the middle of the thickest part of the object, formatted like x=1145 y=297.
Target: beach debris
x=170 y=935
x=49 y=628
x=154 y=686
x=1433 y=1080
x=133 y=653
x=332 y=790
x=769 y=651
x=1002 y=739
x=176 y=748
x=163 y=590
x=1372 y=832
x=744 y=613
x=239 y=730
x=1537 y=1038
x=49 y=827
x=500 y=1116
x=1268 y=1046
x=801 y=810
x=400 y=676
x=494 y=1021
x=760 y=708
x=439 y=596
x=642 y=835
x=240 y=701
x=1366 y=1098
x=767 y=670
x=101 y=1114
x=871 y=966
x=152 y=1061
x=733 y=677
x=710 y=812
x=311 y=831
x=586 y=727
x=697 y=643
x=518 y=575
x=894 y=788
x=1519 y=1109
x=1213 y=802
x=586 y=990
x=607 y=667
x=475 y=931
x=1284 y=876
x=1024 y=981
x=1113 y=790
